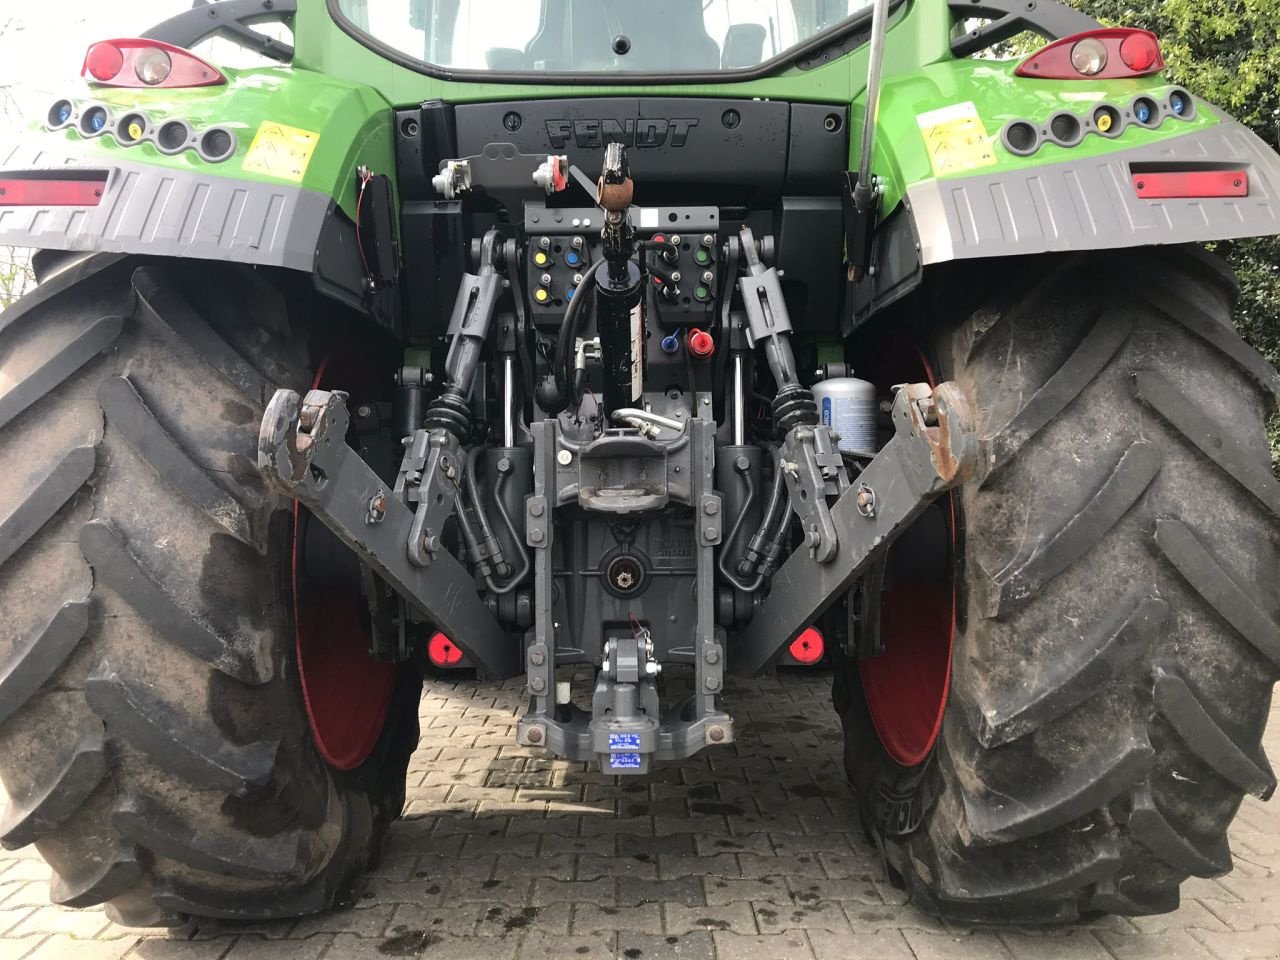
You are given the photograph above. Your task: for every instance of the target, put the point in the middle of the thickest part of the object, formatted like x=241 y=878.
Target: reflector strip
x=51 y=193
x=1186 y=184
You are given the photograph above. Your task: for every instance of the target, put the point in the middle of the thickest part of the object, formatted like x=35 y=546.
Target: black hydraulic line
x=759 y=541
x=473 y=494
x=525 y=563
x=522 y=331
x=725 y=550
x=560 y=365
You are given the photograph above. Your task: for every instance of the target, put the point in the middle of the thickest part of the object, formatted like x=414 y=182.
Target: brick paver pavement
x=746 y=852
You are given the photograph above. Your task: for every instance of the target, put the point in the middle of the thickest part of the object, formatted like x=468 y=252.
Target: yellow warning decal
x=956 y=139
x=280 y=151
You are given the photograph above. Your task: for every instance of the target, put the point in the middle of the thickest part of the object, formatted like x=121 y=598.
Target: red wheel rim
x=906 y=686
x=347 y=692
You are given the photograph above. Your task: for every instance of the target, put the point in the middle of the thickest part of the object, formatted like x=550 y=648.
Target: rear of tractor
x=628 y=348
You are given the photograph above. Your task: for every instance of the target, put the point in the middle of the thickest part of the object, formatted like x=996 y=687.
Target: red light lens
x=1188 y=184
x=147 y=63
x=51 y=193
x=104 y=61
x=1139 y=51
x=442 y=651
x=809 y=647
x=1110 y=53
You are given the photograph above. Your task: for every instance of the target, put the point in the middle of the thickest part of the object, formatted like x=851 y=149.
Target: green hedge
x=1227 y=51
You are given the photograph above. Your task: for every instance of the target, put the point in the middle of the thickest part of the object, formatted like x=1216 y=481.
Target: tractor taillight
x=809 y=647
x=442 y=652
x=1108 y=54
x=147 y=63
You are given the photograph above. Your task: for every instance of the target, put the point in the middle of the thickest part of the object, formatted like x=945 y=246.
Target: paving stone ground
x=751 y=852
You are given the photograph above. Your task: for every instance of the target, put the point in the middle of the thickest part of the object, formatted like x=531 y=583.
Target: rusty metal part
x=944 y=418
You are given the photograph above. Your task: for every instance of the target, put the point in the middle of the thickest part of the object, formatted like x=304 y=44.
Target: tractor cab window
x=592 y=36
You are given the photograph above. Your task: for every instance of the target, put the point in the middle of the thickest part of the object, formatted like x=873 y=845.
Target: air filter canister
x=848 y=406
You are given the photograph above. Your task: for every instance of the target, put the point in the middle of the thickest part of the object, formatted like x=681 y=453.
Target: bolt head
x=712 y=655
x=712 y=683
x=537 y=684
x=564 y=458
x=711 y=508
x=711 y=533
x=534 y=735
x=715 y=734
x=535 y=509
x=535 y=536
x=537 y=656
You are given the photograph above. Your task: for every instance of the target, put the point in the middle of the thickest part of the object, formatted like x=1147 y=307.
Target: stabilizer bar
x=934 y=449
x=302 y=453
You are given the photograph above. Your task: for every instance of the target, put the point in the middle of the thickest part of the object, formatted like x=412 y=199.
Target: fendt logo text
x=642 y=133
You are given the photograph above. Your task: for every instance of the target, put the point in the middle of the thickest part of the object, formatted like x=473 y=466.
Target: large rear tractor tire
x=1116 y=629
x=154 y=735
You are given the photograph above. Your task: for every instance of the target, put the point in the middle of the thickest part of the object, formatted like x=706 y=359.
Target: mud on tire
x=153 y=739
x=1118 y=620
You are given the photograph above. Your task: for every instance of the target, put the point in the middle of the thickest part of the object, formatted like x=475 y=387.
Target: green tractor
x=626 y=347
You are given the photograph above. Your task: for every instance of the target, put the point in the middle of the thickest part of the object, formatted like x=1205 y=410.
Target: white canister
x=848 y=406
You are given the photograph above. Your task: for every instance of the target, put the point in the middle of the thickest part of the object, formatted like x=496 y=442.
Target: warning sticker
x=956 y=139
x=280 y=151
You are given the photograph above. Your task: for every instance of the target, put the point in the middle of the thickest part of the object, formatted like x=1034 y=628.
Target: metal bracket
x=302 y=453
x=935 y=447
x=813 y=468
x=231 y=19
x=1008 y=18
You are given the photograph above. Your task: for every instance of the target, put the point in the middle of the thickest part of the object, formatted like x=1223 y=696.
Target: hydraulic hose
x=520 y=574
x=761 y=538
x=725 y=550
x=560 y=364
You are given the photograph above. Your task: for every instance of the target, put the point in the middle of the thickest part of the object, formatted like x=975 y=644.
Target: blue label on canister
x=624 y=761
x=624 y=741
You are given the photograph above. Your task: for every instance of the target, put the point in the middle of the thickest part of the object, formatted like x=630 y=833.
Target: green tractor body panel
x=311 y=130
x=303 y=131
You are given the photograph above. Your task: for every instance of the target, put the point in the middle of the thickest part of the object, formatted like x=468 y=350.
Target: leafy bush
x=1227 y=51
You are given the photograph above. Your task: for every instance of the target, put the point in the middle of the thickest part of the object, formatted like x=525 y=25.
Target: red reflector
x=442 y=651
x=103 y=61
x=51 y=193
x=809 y=647
x=1191 y=183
